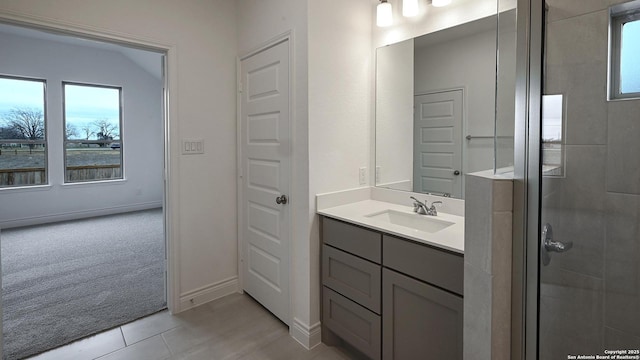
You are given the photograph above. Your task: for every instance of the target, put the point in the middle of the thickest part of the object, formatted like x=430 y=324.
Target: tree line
x=28 y=124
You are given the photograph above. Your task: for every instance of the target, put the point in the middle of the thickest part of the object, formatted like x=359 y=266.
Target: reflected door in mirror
x=438 y=143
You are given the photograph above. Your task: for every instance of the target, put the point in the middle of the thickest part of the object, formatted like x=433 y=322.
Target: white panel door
x=437 y=155
x=265 y=170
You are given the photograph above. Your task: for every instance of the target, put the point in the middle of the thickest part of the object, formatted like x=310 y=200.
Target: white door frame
x=170 y=199
x=285 y=37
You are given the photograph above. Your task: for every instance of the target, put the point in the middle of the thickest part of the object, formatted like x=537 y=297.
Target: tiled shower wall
x=487 y=266
x=590 y=295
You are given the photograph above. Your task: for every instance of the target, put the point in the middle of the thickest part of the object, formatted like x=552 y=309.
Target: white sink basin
x=424 y=223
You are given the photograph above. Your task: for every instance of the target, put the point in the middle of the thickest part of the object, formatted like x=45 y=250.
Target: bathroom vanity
x=391 y=289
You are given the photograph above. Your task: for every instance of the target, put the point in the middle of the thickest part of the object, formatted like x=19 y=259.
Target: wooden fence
x=27 y=176
x=36 y=176
x=93 y=172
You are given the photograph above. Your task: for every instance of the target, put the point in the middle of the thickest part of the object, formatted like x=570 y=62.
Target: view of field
x=25 y=158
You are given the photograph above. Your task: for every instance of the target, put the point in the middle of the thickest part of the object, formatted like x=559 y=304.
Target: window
x=92 y=132
x=552 y=135
x=625 y=63
x=23 y=144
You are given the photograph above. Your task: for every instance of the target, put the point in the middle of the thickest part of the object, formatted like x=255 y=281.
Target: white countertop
x=451 y=238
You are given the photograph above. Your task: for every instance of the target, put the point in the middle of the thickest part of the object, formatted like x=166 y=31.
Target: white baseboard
x=307 y=336
x=208 y=293
x=74 y=215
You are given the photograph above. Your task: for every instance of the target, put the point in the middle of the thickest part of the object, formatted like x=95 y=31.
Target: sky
x=19 y=93
x=86 y=104
x=629 y=66
x=83 y=104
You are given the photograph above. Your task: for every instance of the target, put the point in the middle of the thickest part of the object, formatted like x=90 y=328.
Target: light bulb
x=385 y=14
x=440 y=3
x=409 y=8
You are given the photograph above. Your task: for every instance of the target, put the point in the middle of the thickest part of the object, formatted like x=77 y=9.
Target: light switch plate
x=192 y=146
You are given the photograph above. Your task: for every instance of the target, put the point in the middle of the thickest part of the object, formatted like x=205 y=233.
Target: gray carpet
x=64 y=281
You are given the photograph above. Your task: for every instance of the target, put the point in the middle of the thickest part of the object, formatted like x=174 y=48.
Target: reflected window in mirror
x=553 y=135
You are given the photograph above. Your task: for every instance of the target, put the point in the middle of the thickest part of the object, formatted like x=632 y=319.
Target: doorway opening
x=83 y=230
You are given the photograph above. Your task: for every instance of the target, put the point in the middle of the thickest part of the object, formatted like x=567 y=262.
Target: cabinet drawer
x=438 y=267
x=355 y=278
x=352 y=239
x=353 y=323
x=420 y=319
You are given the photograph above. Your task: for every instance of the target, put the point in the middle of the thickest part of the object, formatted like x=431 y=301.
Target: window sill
x=623 y=98
x=27 y=188
x=97 y=182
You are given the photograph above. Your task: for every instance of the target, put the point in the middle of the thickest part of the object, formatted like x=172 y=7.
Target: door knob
x=456 y=173
x=548 y=245
x=282 y=199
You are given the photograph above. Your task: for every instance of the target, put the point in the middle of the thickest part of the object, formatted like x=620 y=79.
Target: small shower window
x=629 y=64
x=553 y=155
x=625 y=63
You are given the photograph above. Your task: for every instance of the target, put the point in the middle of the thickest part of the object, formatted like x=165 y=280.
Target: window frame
x=66 y=141
x=617 y=20
x=44 y=141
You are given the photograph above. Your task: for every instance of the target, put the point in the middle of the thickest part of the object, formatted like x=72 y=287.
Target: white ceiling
x=150 y=61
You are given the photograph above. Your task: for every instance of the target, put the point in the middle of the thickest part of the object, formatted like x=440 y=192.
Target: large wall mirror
x=436 y=108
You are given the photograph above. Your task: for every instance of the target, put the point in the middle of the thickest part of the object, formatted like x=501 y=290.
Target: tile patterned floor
x=233 y=327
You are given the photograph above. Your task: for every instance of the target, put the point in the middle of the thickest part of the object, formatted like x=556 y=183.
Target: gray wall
x=487 y=267
x=469 y=63
x=505 y=95
x=142 y=132
x=394 y=116
x=590 y=296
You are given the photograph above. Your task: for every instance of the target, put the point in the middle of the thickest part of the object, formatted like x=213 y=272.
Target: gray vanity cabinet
x=420 y=321
x=353 y=239
x=435 y=266
x=352 y=322
x=352 y=277
x=390 y=298
x=422 y=301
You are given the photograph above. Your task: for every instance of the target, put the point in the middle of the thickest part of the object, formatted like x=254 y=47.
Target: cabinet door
x=353 y=323
x=435 y=266
x=353 y=239
x=419 y=321
x=352 y=277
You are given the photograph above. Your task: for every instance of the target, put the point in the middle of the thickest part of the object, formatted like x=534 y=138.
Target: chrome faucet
x=421 y=208
x=432 y=210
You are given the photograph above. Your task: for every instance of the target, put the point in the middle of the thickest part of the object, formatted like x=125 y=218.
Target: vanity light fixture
x=384 y=16
x=440 y=3
x=409 y=8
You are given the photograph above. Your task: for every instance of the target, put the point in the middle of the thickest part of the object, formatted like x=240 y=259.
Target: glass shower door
x=589 y=271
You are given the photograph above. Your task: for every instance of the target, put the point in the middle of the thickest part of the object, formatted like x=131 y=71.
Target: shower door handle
x=558 y=246
x=548 y=245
